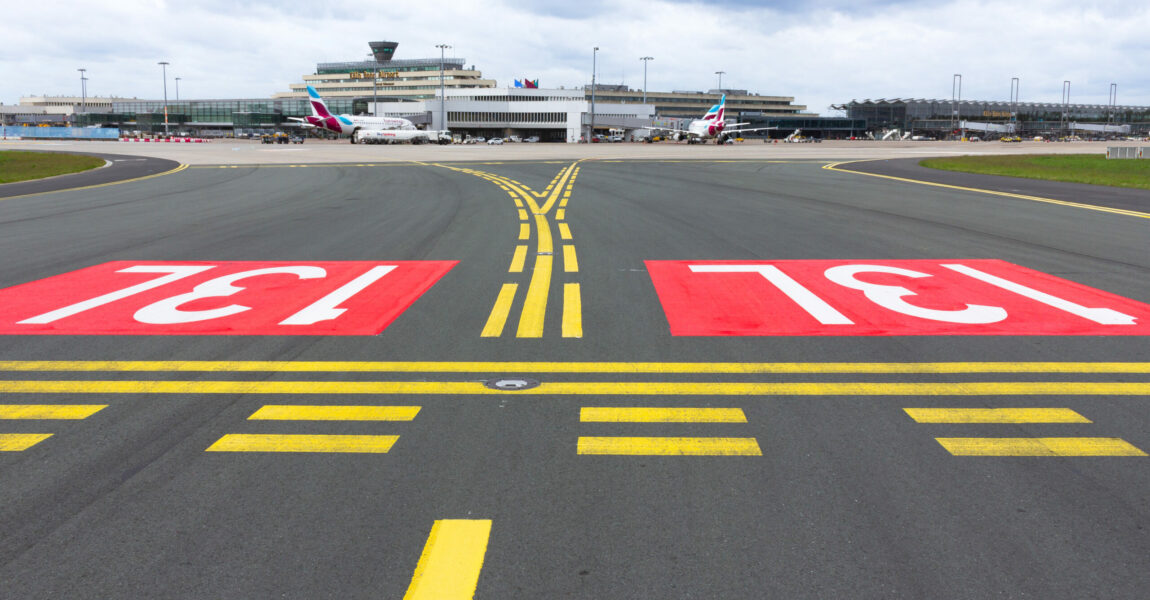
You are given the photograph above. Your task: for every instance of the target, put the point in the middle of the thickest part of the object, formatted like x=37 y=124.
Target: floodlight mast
x=164 y=64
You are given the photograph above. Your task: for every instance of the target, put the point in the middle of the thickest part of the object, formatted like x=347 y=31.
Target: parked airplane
x=348 y=124
x=710 y=127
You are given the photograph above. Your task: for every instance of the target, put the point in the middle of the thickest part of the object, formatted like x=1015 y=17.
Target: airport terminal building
x=410 y=88
x=942 y=119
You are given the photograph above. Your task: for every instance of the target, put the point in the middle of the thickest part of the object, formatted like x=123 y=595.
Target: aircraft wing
x=730 y=131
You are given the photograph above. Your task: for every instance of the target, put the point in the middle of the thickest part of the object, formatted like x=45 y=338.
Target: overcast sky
x=821 y=52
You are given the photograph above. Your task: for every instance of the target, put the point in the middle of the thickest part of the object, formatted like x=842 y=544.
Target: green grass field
x=22 y=166
x=1074 y=168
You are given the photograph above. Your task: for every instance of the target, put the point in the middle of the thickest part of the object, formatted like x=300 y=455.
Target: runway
x=572 y=377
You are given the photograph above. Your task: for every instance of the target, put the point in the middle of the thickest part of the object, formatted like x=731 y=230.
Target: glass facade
x=1035 y=117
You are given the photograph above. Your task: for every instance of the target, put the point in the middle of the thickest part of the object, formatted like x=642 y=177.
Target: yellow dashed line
x=518 y=259
x=565 y=231
x=500 y=312
x=49 y=411
x=451 y=562
x=572 y=311
x=570 y=262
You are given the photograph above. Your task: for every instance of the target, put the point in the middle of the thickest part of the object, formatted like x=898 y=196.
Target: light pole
x=1113 y=102
x=1066 y=105
x=83 y=91
x=720 y=74
x=442 y=92
x=955 y=84
x=164 y=64
x=645 y=59
x=177 y=90
x=1015 y=87
x=594 y=58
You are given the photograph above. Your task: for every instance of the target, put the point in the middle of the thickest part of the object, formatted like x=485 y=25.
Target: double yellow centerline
x=533 y=208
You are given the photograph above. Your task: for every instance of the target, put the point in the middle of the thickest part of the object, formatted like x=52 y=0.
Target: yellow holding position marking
x=641 y=414
x=669 y=446
x=995 y=415
x=244 y=442
x=290 y=412
x=1059 y=446
x=49 y=411
x=17 y=442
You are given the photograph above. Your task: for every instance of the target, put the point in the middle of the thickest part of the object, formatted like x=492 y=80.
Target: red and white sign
x=884 y=297
x=220 y=298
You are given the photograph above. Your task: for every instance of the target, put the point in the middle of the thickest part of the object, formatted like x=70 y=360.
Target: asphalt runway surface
x=701 y=379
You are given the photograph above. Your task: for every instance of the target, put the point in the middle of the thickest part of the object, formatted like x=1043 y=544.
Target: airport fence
x=59 y=133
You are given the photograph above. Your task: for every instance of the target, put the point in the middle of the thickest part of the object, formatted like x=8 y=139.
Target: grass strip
x=24 y=166
x=1094 y=169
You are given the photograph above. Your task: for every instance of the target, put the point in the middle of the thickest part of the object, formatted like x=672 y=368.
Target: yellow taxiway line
x=506 y=296
x=1117 y=211
x=578 y=388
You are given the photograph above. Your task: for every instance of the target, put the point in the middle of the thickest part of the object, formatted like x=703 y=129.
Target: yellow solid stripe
x=499 y=313
x=15 y=442
x=518 y=259
x=1039 y=447
x=451 y=561
x=643 y=414
x=995 y=415
x=543 y=244
x=570 y=261
x=289 y=412
x=49 y=411
x=572 y=311
x=564 y=231
x=574 y=367
x=244 y=442
x=1118 y=211
x=524 y=231
x=535 y=304
x=669 y=446
x=576 y=388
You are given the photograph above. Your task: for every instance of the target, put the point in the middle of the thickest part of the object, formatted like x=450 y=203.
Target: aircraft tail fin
x=717 y=111
x=318 y=106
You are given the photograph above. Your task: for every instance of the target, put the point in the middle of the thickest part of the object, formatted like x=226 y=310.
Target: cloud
x=820 y=51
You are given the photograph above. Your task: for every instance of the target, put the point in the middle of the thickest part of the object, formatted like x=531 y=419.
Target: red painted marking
x=307 y=298
x=700 y=303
